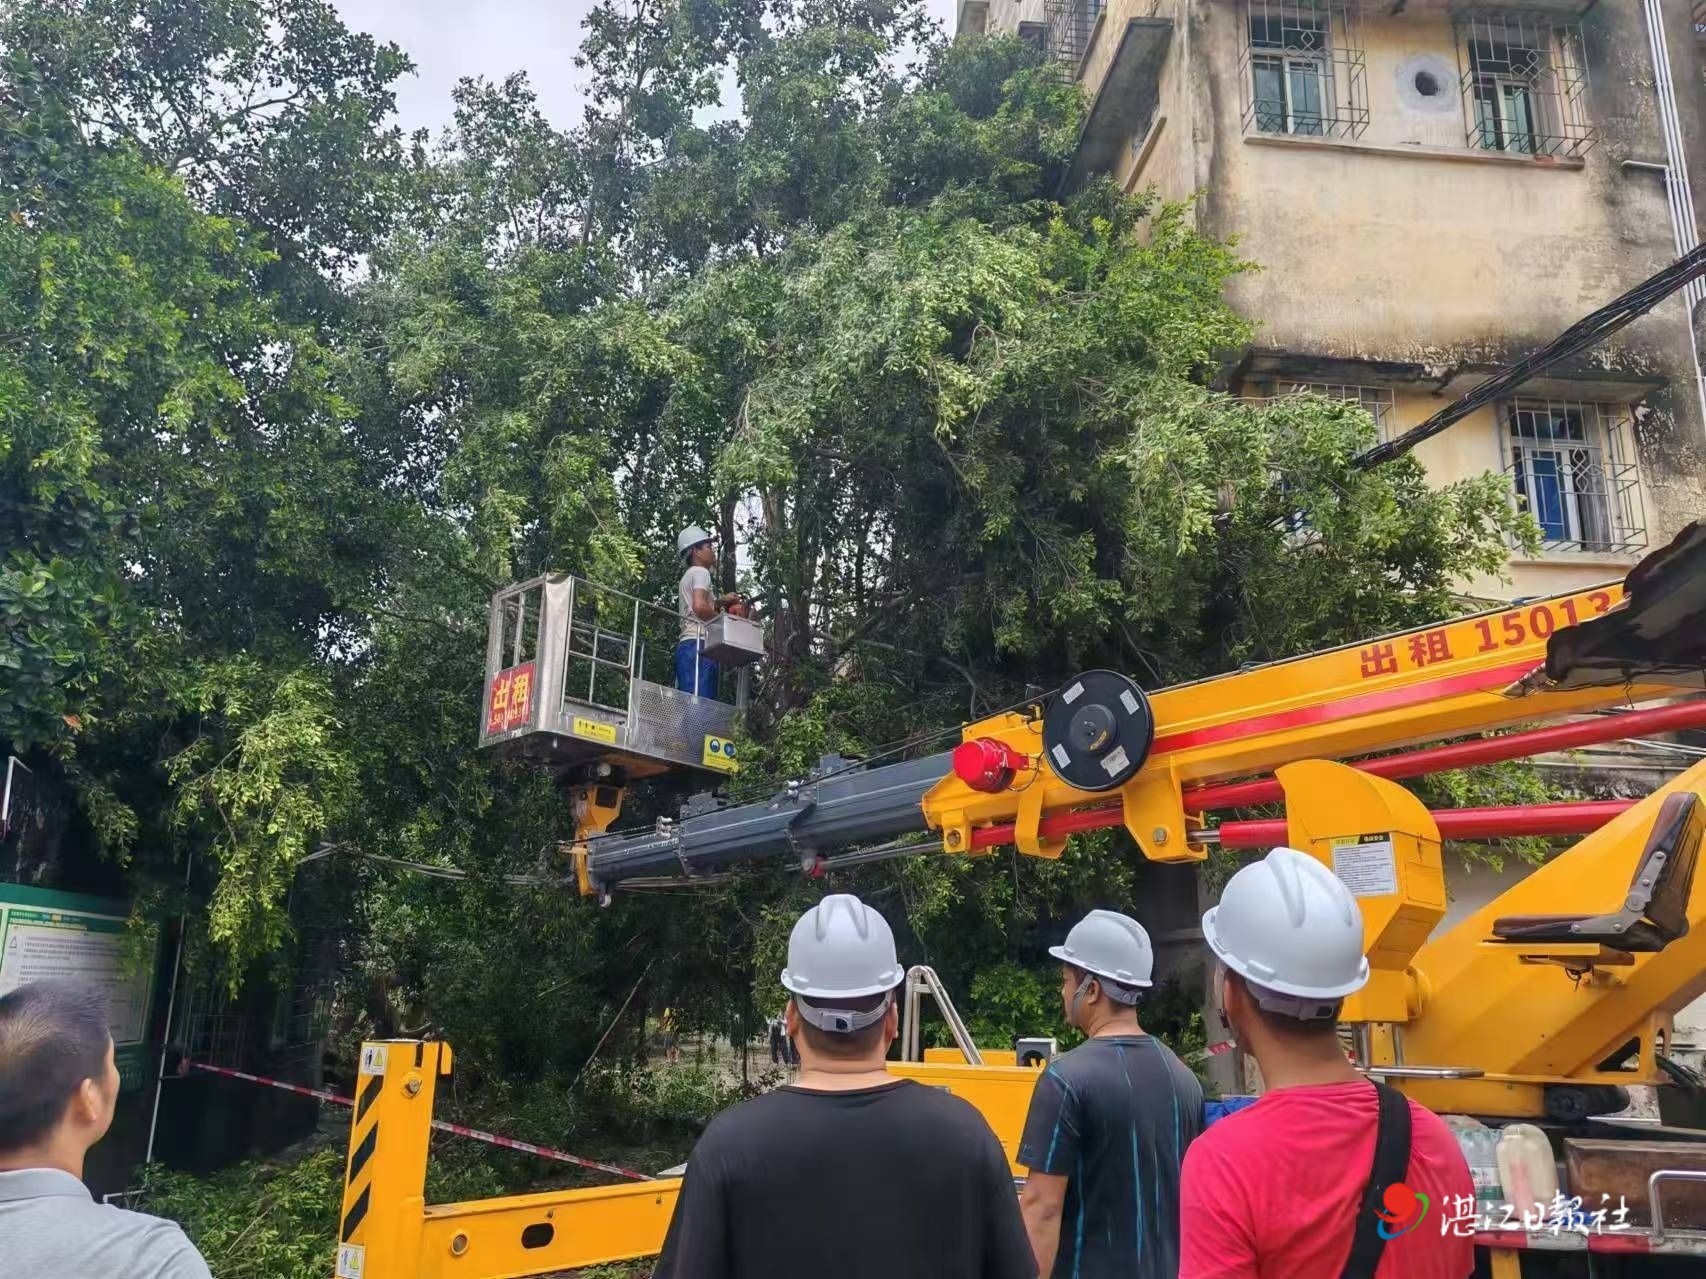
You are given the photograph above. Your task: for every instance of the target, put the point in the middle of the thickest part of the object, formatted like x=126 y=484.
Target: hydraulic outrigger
x=1545 y=1002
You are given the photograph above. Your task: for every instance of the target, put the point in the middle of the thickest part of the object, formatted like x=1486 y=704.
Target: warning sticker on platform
x=593 y=729
x=373 y=1059
x=1366 y=863
x=719 y=753
x=351 y=1258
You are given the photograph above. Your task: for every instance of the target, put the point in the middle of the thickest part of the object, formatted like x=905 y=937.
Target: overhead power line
x=1584 y=333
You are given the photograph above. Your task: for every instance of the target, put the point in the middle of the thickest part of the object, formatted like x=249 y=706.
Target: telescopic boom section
x=1143 y=754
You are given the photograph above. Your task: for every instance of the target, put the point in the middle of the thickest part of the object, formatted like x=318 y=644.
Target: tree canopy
x=286 y=395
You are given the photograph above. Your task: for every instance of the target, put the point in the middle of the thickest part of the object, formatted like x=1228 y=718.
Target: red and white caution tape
x=1213 y=1050
x=544 y=1152
x=490 y=1138
x=319 y=1094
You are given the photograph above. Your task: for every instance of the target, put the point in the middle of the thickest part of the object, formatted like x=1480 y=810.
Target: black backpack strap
x=1391 y=1162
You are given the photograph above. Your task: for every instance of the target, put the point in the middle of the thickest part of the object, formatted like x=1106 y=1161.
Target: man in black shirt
x=849 y=1173
x=1109 y=1121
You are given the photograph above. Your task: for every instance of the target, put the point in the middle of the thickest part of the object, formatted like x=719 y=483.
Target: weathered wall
x=1408 y=246
x=1169 y=163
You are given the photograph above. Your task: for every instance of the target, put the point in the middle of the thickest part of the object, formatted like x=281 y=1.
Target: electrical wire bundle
x=1584 y=333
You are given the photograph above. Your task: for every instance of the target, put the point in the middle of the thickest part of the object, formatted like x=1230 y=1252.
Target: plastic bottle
x=1527 y=1170
x=1480 y=1147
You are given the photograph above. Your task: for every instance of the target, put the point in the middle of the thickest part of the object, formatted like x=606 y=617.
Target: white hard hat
x=1289 y=925
x=1111 y=945
x=840 y=949
x=690 y=537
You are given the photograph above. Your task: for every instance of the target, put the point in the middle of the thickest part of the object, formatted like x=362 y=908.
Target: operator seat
x=1655 y=912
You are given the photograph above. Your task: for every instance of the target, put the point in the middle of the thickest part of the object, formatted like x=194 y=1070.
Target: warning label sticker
x=580 y=726
x=1366 y=863
x=352 y=1258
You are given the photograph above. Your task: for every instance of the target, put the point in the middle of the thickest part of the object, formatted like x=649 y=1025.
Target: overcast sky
x=449 y=39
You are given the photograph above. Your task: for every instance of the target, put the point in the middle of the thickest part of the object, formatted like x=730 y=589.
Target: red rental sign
x=511 y=701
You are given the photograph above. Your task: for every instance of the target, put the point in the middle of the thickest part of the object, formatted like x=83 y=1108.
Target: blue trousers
x=694 y=672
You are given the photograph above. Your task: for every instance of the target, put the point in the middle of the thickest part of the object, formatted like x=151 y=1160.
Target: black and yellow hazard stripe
x=358 y=1179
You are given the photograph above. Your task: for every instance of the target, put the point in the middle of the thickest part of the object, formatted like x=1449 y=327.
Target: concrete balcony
x=1121 y=73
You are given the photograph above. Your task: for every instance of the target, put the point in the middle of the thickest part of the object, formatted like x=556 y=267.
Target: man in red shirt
x=1277 y=1190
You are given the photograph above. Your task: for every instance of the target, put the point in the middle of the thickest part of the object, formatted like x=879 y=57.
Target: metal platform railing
x=593 y=667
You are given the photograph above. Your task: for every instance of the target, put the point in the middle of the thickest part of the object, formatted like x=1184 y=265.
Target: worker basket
x=577 y=673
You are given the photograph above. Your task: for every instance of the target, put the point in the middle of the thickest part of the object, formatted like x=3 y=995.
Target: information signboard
x=46 y=935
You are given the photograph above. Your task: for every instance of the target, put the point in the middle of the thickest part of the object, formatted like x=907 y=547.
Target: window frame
x=1299 y=43
x=1582 y=489
x=1544 y=55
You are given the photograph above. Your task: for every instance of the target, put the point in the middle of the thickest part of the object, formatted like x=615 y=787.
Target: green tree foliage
x=965 y=424
x=279 y=1221
x=187 y=520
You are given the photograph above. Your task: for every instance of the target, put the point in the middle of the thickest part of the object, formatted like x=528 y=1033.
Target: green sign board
x=46 y=935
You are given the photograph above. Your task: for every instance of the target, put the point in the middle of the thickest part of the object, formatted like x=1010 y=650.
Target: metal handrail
x=1362 y=1037
x=1424 y=1072
x=1666 y=1174
x=922 y=979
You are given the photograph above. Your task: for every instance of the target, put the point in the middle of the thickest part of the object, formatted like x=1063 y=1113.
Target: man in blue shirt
x=1109 y=1121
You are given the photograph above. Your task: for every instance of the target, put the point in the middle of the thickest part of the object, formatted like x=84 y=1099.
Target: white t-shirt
x=696 y=578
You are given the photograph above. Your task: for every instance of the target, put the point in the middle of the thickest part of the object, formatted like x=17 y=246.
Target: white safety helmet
x=1113 y=947
x=1287 y=924
x=840 y=949
x=690 y=537
x=1108 y=944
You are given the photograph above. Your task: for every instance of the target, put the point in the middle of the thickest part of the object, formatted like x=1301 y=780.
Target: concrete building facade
x=1429 y=190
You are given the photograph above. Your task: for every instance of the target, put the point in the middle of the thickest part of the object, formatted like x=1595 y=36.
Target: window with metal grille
x=1525 y=82
x=1070 y=23
x=1573 y=468
x=1303 y=69
x=1376 y=400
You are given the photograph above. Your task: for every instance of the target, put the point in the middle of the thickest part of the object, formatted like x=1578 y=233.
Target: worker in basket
x=849 y=1172
x=1327 y=1174
x=694 y=672
x=1109 y=1121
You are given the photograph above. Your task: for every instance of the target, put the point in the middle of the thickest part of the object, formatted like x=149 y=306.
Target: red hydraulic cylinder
x=1462 y=823
x=1487 y=750
x=1454 y=823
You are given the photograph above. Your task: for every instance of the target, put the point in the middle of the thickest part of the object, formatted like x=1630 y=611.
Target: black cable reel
x=1097 y=731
